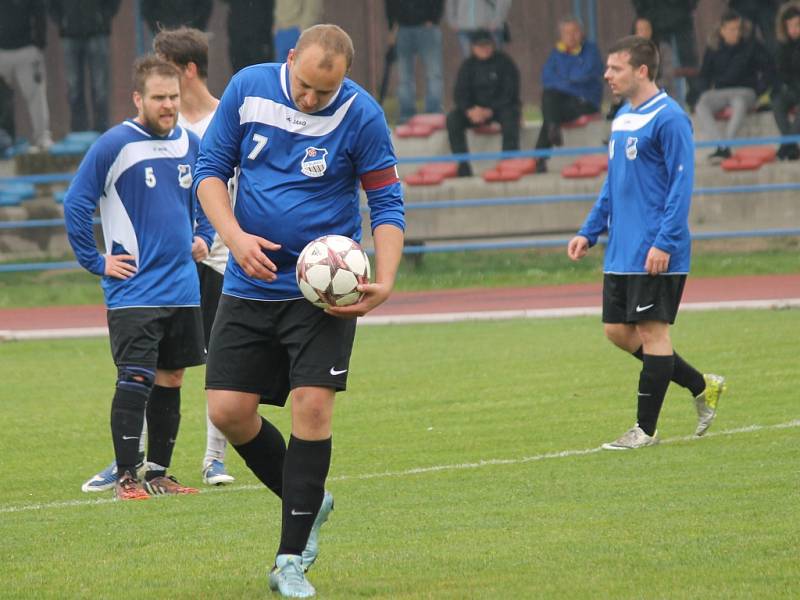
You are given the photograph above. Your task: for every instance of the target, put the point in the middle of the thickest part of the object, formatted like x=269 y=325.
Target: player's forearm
x=213 y=195
x=388 y=252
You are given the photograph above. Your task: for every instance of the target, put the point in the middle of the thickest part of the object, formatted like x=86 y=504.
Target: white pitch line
x=421 y=470
x=448 y=317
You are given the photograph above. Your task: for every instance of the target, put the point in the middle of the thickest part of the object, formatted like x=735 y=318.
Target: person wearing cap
x=486 y=91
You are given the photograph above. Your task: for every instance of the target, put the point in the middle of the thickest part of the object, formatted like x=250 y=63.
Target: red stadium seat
x=421 y=178
x=526 y=166
x=447 y=169
x=581 y=171
x=581 y=121
x=435 y=120
x=741 y=164
x=496 y=175
x=413 y=131
x=487 y=129
x=765 y=154
x=600 y=160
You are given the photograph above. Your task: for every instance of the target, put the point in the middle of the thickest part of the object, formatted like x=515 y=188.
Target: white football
x=329 y=269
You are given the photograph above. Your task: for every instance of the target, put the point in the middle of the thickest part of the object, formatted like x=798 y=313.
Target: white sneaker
x=634 y=438
x=214 y=473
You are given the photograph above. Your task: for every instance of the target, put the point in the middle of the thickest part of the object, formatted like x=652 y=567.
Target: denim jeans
x=427 y=42
x=81 y=54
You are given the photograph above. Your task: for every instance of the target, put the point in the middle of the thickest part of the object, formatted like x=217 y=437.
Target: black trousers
x=783 y=102
x=458 y=123
x=558 y=108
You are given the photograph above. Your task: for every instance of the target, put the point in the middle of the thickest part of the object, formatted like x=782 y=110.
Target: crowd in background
x=750 y=62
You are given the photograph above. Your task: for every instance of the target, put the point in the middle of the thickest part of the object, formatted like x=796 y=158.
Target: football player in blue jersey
x=140 y=174
x=303 y=137
x=644 y=207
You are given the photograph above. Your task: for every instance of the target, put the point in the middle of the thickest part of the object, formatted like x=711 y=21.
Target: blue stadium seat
x=23 y=191
x=59 y=196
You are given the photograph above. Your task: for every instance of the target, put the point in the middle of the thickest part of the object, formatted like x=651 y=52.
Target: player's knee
x=170 y=379
x=226 y=416
x=312 y=411
x=136 y=379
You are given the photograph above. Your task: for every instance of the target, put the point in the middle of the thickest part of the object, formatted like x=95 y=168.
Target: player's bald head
x=332 y=40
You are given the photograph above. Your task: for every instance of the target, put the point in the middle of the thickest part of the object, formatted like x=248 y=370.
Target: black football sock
x=127 y=418
x=264 y=455
x=304 y=472
x=163 y=420
x=653 y=382
x=684 y=374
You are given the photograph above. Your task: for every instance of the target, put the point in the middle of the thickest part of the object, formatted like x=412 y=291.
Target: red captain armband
x=375 y=180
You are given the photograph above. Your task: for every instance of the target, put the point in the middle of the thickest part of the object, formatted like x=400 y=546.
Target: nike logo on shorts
x=333 y=371
x=643 y=308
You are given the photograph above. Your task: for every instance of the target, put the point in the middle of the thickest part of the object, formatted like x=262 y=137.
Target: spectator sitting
x=736 y=70
x=414 y=29
x=84 y=27
x=573 y=84
x=787 y=90
x=468 y=16
x=487 y=90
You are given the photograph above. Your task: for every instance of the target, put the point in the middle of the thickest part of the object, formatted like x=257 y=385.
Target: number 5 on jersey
x=261 y=141
x=149 y=177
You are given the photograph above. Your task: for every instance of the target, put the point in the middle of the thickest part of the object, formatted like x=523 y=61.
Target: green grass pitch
x=465 y=466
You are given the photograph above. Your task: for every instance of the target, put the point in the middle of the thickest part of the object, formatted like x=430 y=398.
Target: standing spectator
x=644 y=207
x=267 y=339
x=736 y=70
x=414 y=29
x=786 y=94
x=148 y=274
x=292 y=17
x=761 y=13
x=84 y=26
x=23 y=34
x=572 y=81
x=250 y=32
x=466 y=17
x=673 y=24
x=7 y=129
x=487 y=89
x=171 y=14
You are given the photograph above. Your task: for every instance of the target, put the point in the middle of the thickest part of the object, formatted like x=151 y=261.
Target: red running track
x=698 y=290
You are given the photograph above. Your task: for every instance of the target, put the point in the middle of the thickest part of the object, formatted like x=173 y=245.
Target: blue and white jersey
x=142 y=184
x=646 y=196
x=299 y=173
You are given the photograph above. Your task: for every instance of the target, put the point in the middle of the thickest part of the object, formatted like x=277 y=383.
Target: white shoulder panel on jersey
x=634 y=121
x=117 y=225
x=263 y=110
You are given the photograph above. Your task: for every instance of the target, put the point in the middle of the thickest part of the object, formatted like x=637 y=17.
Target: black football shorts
x=634 y=298
x=271 y=348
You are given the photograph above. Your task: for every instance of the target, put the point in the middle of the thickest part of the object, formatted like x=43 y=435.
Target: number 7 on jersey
x=261 y=141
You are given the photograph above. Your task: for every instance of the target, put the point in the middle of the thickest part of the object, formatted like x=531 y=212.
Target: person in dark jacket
x=414 y=30
x=761 y=13
x=159 y=14
x=673 y=26
x=84 y=27
x=786 y=94
x=572 y=79
x=736 y=70
x=487 y=90
x=23 y=29
x=250 y=32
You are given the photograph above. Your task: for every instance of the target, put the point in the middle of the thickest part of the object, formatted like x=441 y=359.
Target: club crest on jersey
x=630 y=148
x=185 y=176
x=313 y=163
